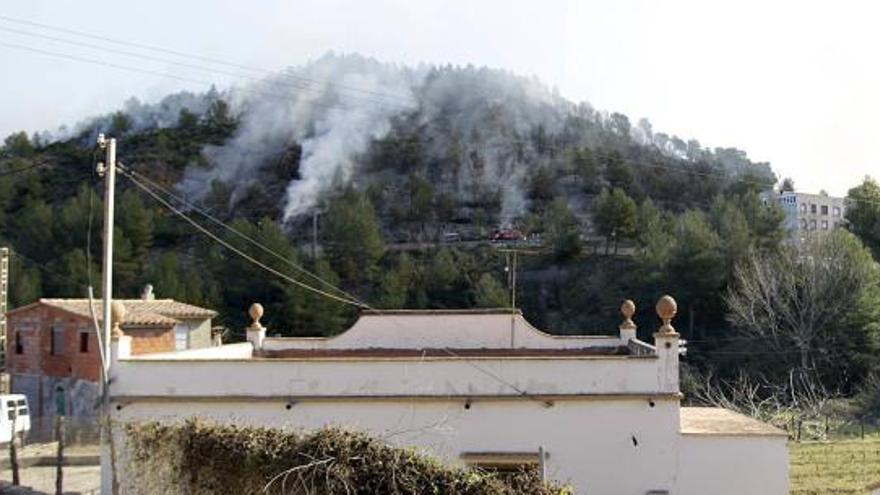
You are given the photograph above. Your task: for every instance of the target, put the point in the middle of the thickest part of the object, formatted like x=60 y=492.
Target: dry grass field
x=843 y=466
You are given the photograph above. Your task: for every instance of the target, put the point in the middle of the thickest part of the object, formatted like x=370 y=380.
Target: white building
x=808 y=215
x=474 y=387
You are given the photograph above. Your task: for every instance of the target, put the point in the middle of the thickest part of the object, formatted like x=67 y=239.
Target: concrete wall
x=412 y=330
x=199 y=333
x=733 y=465
x=80 y=396
x=625 y=447
x=332 y=377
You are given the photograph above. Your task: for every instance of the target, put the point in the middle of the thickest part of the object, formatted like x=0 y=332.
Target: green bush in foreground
x=201 y=458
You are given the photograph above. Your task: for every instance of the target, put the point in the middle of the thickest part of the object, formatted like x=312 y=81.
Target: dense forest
x=404 y=175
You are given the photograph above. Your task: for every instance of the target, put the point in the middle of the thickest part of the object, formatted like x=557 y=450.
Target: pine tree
x=351 y=236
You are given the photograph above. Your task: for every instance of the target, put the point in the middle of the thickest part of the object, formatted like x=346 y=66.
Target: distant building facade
x=54 y=358
x=808 y=215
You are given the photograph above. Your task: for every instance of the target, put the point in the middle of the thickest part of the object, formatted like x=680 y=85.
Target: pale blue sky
x=794 y=83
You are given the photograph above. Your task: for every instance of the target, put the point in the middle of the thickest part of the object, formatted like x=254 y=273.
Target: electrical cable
x=240 y=234
x=232 y=248
x=208 y=233
x=282 y=84
x=197 y=57
x=625 y=161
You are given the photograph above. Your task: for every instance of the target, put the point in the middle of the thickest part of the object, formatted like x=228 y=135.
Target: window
x=503 y=462
x=83 y=342
x=836 y=211
x=803 y=207
x=181 y=337
x=824 y=209
x=56 y=343
x=812 y=225
x=813 y=209
x=803 y=225
x=824 y=224
x=19 y=348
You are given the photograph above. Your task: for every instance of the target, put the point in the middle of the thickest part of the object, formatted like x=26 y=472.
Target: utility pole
x=315 y=234
x=5 y=380
x=4 y=296
x=107 y=170
x=511 y=255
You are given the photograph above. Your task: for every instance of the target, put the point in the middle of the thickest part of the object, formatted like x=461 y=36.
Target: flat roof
x=718 y=421
x=443 y=352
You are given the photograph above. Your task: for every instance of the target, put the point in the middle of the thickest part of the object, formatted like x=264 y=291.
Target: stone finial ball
x=256 y=311
x=628 y=308
x=117 y=312
x=666 y=308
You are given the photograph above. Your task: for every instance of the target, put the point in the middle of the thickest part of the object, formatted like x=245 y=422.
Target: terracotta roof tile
x=156 y=312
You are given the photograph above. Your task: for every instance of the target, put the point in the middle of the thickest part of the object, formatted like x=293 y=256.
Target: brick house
x=54 y=357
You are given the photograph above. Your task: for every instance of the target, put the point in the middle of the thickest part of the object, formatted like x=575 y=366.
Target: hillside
x=385 y=155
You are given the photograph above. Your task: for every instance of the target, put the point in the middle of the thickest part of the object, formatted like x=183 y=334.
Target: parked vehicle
x=507 y=235
x=13 y=407
x=451 y=237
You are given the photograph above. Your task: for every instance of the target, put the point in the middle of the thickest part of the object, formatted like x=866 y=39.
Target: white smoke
x=333 y=107
x=495 y=113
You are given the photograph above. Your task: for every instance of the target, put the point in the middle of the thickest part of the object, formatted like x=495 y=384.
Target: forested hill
x=390 y=158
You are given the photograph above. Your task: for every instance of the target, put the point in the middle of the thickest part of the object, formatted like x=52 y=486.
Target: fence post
x=13 y=453
x=59 y=470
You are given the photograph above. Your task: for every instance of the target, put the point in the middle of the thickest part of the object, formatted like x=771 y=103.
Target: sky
x=792 y=83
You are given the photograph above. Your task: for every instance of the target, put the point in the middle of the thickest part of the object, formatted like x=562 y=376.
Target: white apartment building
x=601 y=412
x=808 y=215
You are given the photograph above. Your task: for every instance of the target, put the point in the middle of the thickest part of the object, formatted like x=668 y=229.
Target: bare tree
x=798 y=298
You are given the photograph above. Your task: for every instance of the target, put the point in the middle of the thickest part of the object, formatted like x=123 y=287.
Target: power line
x=232 y=248
x=23 y=169
x=240 y=234
x=450 y=352
x=551 y=146
x=627 y=161
x=217 y=61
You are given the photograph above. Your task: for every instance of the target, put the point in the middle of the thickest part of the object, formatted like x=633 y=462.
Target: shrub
x=202 y=458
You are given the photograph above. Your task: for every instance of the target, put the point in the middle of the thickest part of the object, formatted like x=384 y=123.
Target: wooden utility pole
x=511 y=255
x=315 y=234
x=59 y=461
x=13 y=449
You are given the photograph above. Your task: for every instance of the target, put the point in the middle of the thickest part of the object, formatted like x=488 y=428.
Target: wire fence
x=827 y=427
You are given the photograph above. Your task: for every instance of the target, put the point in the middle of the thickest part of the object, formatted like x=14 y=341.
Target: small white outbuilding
x=601 y=412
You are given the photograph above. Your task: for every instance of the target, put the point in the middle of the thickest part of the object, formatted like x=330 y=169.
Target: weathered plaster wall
x=733 y=465
x=625 y=447
x=80 y=396
x=199 y=333
x=417 y=331
x=381 y=377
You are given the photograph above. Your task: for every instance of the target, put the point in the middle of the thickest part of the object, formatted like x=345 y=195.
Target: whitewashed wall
x=414 y=330
x=733 y=465
x=625 y=447
x=332 y=377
